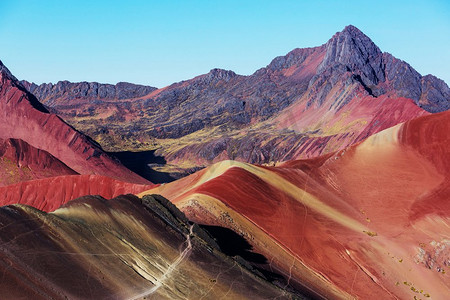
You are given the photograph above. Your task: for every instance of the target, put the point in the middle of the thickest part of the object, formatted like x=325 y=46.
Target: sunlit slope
x=124 y=248
x=371 y=221
x=49 y=194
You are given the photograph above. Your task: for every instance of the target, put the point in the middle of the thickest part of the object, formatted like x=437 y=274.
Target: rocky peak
x=220 y=74
x=357 y=52
x=4 y=71
x=214 y=76
x=8 y=81
x=435 y=94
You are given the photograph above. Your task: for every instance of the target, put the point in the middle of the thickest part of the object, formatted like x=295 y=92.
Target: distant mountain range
x=306 y=103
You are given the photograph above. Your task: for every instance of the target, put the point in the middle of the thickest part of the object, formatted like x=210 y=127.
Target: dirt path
x=172 y=266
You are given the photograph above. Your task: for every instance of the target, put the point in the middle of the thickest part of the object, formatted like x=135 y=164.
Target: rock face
x=367 y=222
x=124 y=248
x=24 y=118
x=354 y=50
x=341 y=91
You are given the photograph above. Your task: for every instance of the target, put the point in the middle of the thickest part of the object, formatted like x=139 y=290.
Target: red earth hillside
x=371 y=221
x=20 y=161
x=50 y=193
x=23 y=118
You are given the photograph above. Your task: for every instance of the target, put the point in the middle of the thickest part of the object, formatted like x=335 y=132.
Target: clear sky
x=161 y=42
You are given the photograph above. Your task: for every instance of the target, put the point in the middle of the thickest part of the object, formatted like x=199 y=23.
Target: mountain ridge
x=350 y=47
x=123 y=248
x=23 y=117
x=336 y=91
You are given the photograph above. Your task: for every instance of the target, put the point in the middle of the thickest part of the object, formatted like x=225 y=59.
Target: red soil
x=50 y=193
x=20 y=161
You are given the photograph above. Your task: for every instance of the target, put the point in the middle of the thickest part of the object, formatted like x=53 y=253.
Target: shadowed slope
x=370 y=221
x=124 y=248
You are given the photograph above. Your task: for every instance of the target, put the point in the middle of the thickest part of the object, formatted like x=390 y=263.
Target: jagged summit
x=357 y=52
x=221 y=74
x=354 y=33
x=5 y=70
x=213 y=76
x=351 y=29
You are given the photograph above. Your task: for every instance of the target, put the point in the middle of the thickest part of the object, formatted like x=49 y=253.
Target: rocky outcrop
x=435 y=94
x=354 y=50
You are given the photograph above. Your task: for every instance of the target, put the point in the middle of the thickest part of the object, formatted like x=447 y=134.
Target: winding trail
x=173 y=266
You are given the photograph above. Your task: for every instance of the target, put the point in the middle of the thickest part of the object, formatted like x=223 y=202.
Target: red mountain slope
x=50 y=193
x=20 y=161
x=371 y=221
x=22 y=117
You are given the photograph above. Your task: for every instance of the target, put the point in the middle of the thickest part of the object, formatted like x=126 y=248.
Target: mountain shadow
x=232 y=244
x=140 y=162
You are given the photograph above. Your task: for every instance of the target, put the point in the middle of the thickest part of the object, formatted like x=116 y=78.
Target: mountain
x=346 y=196
x=370 y=221
x=367 y=222
x=39 y=144
x=309 y=102
x=124 y=248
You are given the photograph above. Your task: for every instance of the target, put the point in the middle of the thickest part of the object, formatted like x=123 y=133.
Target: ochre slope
x=49 y=194
x=124 y=248
x=22 y=117
x=371 y=221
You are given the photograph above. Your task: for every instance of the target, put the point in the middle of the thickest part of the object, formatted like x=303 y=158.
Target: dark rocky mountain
x=65 y=90
x=308 y=102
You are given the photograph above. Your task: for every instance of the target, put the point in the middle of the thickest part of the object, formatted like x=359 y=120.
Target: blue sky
x=161 y=42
